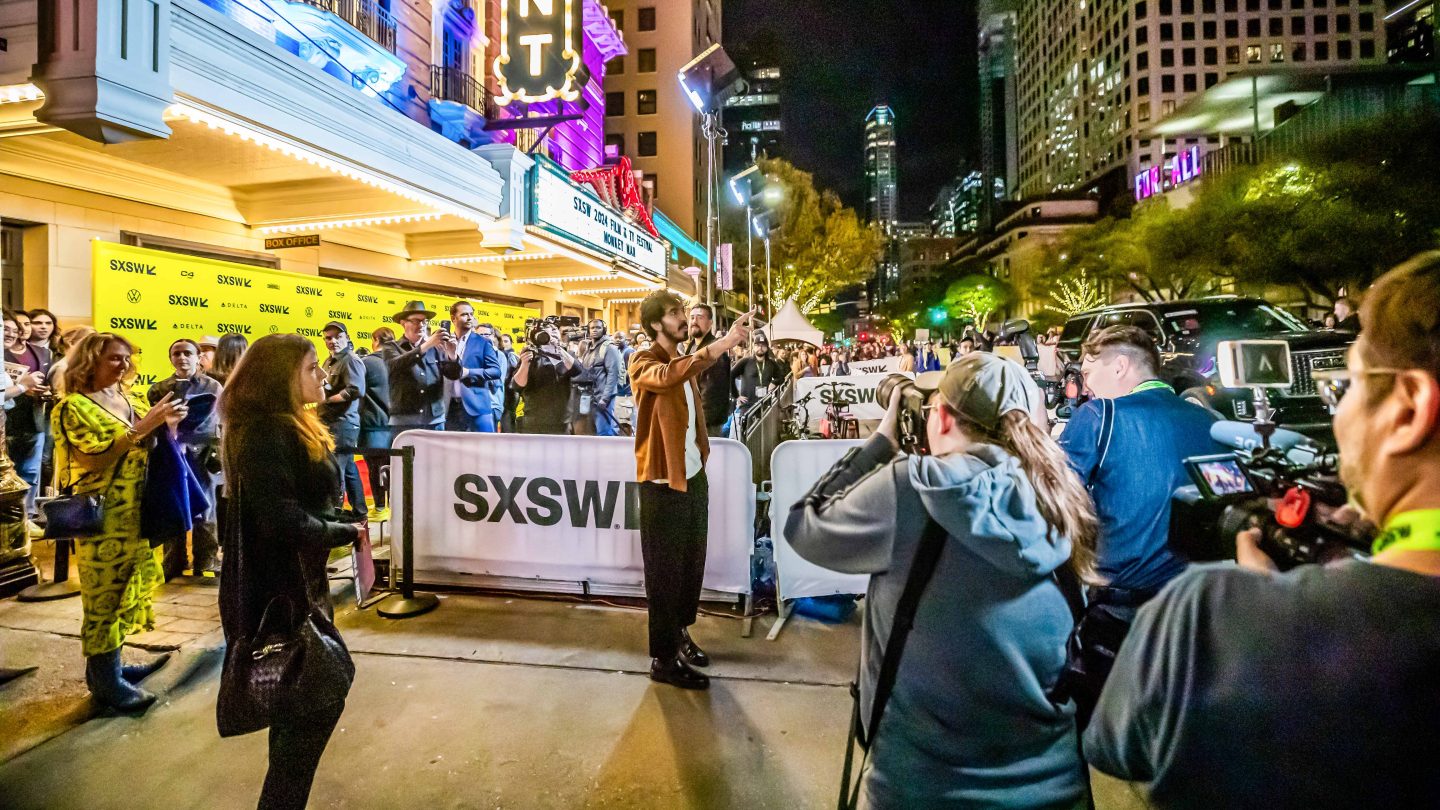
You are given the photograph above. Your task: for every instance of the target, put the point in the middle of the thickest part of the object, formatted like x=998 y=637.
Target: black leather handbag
x=291 y=665
x=73 y=516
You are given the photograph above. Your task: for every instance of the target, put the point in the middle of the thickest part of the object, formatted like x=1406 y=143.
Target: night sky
x=838 y=58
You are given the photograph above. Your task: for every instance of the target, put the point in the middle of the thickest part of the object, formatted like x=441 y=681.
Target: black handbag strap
x=1107 y=430
x=927 y=557
x=69 y=489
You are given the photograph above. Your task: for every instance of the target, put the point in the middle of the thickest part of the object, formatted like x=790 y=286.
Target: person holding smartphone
x=417 y=390
x=197 y=438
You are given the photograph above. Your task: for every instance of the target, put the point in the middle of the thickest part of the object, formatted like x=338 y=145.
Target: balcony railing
x=454 y=84
x=367 y=16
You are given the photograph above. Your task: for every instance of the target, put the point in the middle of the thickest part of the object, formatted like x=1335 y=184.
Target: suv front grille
x=1302 y=363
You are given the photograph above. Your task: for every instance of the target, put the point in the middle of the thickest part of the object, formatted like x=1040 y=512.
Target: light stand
x=708 y=81
x=711 y=129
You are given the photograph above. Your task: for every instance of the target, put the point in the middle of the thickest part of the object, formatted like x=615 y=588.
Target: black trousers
x=296 y=744
x=673 y=530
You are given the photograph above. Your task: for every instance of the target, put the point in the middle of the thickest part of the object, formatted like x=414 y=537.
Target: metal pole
x=707 y=126
x=750 y=263
x=769 y=290
x=407 y=603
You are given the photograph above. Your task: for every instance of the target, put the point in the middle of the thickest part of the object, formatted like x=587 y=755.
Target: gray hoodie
x=968 y=723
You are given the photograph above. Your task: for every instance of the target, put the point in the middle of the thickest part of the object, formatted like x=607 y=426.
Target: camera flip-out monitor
x=1254 y=363
x=1219 y=476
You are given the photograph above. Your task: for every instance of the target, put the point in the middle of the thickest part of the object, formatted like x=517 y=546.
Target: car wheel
x=1198 y=396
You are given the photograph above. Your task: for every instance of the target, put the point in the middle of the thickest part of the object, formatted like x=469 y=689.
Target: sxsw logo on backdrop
x=132 y=267
x=548 y=502
x=231 y=281
x=238 y=328
x=134 y=324
x=146 y=379
x=301 y=289
x=849 y=395
x=188 y=301
x=307 y=332
x=367 y=299
x=274 y=309
x=340 y=315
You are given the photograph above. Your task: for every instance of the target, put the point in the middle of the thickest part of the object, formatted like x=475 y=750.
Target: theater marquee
x=540 y=51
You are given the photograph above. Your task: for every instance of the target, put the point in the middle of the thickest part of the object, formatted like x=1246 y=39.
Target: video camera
x=536 y=335
x=1277 y=480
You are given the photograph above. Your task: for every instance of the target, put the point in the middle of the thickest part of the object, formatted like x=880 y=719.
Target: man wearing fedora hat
x=417 y=394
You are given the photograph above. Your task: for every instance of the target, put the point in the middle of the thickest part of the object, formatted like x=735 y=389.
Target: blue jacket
x=1155 y=431
x=476 y=368
x=969 y=723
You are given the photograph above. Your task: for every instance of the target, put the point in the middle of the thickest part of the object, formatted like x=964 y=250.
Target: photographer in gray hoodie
x=970 y=721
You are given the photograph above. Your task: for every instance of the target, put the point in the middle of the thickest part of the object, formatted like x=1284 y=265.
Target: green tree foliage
x=975 y=297
x=820 y=248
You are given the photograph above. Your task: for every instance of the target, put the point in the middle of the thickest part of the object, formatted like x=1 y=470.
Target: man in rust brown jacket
x=670 y=452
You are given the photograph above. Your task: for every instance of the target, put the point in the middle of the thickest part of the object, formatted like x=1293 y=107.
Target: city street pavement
x=490 y=701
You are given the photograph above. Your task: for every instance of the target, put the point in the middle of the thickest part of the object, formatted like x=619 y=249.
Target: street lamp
x=757 y=192
x=708 y=80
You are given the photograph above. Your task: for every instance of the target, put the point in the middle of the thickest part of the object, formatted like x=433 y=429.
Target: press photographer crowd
x=1074 y=561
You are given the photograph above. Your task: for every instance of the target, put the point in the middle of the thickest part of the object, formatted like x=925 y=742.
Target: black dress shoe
x=676 y=672
x=691 y=652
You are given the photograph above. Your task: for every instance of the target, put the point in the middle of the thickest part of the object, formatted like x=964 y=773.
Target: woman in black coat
x=281 y=483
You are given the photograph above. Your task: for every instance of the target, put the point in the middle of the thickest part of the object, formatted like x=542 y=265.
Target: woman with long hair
x=281 y=486
x=973 y=718
x=68 y=341
x=228 y=351
x=102 y=442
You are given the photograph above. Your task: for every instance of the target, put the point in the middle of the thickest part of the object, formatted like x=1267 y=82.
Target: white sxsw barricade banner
x=857 y=391
x=794 y=469
x=562 y=509
x=880 y=365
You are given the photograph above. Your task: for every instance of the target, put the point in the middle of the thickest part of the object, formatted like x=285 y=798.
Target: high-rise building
x=1410 y=30
x=1094 y=76
x=880 y=168
x=647 y=115
x=958 y=208
x=999 y=113
x=752 y=118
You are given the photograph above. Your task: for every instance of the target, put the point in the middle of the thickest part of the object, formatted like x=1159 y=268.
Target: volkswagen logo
x=274 y=329
x=309 y=312
x=133 y=296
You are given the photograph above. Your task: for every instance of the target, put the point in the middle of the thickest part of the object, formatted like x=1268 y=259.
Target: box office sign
x=154 y=298
x=568 y=211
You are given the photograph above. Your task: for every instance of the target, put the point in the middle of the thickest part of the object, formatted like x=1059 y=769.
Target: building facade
x=881 y=168
x=1092 y=76
x=1410 y=30
x=753 y=122
x=648 y=117
x=333 y=145
x=999 y=113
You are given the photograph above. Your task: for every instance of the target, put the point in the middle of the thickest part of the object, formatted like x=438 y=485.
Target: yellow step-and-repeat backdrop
x=154 y=298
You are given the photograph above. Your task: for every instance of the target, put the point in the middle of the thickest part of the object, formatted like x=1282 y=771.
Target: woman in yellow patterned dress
x=102 y=441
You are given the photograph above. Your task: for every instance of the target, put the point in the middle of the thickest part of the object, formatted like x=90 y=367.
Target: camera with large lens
x=913 y=438
x=535 y=330
x=1277 y=481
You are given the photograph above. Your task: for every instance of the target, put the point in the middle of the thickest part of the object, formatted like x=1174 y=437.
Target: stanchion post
x=60 y=585
x=407 y=603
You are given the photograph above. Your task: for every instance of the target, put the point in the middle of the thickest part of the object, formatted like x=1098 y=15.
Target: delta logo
x=274 y=309
x=231 y=281
x=301 y=289
x=237 y=328
x=189 y=301
x=132 y=267
x=134 y=324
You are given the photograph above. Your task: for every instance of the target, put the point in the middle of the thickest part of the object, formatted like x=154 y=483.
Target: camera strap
x=927 y=557
x=1107 y=430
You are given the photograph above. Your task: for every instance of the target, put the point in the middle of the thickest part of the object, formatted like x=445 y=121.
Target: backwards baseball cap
x=982 y=388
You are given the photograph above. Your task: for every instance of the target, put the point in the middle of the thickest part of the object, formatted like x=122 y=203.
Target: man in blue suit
x=470 y=405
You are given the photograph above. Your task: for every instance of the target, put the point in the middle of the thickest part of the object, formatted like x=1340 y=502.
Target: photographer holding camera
x=1129 y=446
x=1315 y=688
x=996 y=520
x=543 y=379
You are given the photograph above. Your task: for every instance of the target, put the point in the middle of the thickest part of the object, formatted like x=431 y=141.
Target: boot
x=135 y=673
x=676 y=672
x=110 y=689
x=690 y=651
x=8 y=674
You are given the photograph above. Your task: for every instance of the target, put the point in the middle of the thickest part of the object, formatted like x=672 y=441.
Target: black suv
x=1187 y=332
